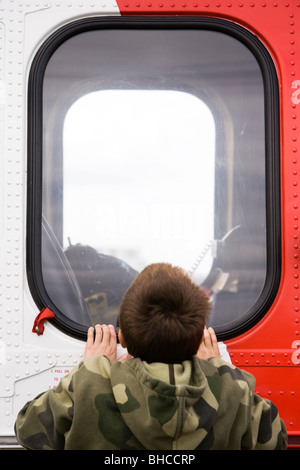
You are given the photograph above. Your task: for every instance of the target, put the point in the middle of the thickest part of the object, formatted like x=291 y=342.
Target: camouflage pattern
x=134 y=405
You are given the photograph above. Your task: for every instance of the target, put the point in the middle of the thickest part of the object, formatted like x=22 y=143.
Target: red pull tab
x=38 y=326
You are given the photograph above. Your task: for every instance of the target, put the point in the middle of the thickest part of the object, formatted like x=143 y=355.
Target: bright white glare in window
x=139 y=176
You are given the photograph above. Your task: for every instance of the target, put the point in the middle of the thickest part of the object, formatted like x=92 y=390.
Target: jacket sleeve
x=268 y=428
x=253 y=421
x=43 y=422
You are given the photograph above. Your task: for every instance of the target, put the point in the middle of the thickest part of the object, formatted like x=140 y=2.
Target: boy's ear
x=121 y=339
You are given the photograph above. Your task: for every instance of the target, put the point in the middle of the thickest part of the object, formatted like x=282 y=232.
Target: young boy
x=166 y=393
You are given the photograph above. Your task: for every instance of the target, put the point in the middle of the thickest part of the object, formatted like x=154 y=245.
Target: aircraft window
x=155 y=147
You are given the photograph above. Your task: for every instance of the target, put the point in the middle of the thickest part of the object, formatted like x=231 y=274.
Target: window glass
x=147 y=183
x=153 y=150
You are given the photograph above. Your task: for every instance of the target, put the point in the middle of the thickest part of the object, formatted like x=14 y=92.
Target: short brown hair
x=163 y=314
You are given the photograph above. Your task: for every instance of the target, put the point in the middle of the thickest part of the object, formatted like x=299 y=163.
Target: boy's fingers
x=108 y=335
x=212 y=334
x=214 y=342
x=98 y=334
x=206 y=337
x=112 y=331
x=101 y=339
x=105 y=335
x=90 y=335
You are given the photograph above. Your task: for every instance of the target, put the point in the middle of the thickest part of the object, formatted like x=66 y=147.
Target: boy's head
x=163 y=314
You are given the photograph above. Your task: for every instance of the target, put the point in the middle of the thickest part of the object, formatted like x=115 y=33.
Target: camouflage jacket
x=199 y=404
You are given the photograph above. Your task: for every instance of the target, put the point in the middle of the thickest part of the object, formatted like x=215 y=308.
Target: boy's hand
x=103 y=342
x=209 y=345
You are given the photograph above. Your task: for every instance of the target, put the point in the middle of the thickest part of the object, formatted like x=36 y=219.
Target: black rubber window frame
x=35 y=157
